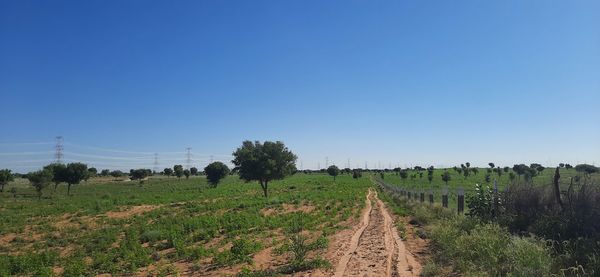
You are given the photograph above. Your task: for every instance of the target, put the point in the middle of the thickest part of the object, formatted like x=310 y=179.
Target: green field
x=165 y=224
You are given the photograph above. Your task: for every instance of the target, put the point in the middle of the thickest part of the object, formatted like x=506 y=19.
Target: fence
x=418 y=194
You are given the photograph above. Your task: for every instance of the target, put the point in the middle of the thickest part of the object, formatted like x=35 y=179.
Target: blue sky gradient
x=384 y=82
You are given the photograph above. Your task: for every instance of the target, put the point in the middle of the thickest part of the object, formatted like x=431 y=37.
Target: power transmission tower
x=211 y=158
x=58 y=155
x=366 y=165
x=155 y=162
x=188 y=161
x=301 y=165
x=348 y=165
x=326 y=162
x=319 y=165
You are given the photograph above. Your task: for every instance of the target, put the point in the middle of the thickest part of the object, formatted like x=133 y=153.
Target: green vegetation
x=215 y=172
x=120 y=228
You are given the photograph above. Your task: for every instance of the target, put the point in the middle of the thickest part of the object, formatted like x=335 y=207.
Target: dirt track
x=376 y=248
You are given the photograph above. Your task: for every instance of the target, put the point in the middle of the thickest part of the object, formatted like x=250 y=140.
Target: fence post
x=445 y=197
x=430 y=196
x=461 y=200
x=422 y=195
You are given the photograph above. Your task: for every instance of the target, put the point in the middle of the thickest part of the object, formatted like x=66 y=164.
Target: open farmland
x=169 y=225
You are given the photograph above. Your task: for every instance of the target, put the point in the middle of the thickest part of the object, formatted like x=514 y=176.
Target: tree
x=58 y=173
x=561 y=165
x=568 y=166
x=105 y=173
x=334 y=171
x=186 y=173
x=264 y=162
x=506 y=169
x=138 y=174
x=93 y=171
x=215 y=171
x=178 y=170
x=487 y=178
x=168 y=172
x=40 y=179
x=74 y=174
x=194 y=171
x=356 y=173
x=446 y=177
x=403 y=174
x=116 y=173
x=5 y=178
x=492 y=165
x=586 y=169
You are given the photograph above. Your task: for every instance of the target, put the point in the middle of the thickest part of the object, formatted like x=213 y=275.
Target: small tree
x=356 y=173
x=492 y=165
x=138 y=174
x=194 y=171
x=58 y=173
x=216 y=171
x=39 y=180
x=333 y=171
x=5 y=178
x=93 y=171
x=403 y=174
x=186 y=173
x=446 y=177
x=586 y=169
x=264 y=162
x=105 y=173
x=178 y=170
x=168 y=172
x=74 y=174
x=116 y=173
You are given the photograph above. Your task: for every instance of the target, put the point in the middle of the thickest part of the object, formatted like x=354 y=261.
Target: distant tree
x=492 y=165
x=487 y=178
x=74 y=174
x=512 y=177
x=347 y=170
x=39 y=180
x=561 y=165
x=468 y=164
x=380 y=175
x=264 y=162
x=568 y=166
x=194 y=171
x=168 y=172
x=58 y=171
x=334 y=171
x=215 y=171
x=5 y=178
x=586 y=169
x=356 y=173
x=138 y=174
x=178 y=170
x=475 y=170
x=430 y=174
x=506 y=169
x=105 y=173
x=187 y=173
x=116 y=173
x=420 y=175
x=93 y=171
x=446 y=177
x=403 y=174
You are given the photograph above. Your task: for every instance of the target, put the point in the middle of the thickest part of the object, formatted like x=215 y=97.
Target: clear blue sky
x=389 y=82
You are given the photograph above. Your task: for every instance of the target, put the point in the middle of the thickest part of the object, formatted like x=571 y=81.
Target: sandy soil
x=376 y=248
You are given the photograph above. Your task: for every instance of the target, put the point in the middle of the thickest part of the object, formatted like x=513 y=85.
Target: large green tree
x=74 y=174
x=40 y=179
x=58 y=173
x=5 y=177
x=264 y=162
x=334 y=171
x=139 y=174
x=178 y=170
x=215 y=171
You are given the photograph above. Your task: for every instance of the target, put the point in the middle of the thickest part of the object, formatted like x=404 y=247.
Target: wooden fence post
x=430 y=196
x=461 y=200
x=422 y=196
x=445 y=197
